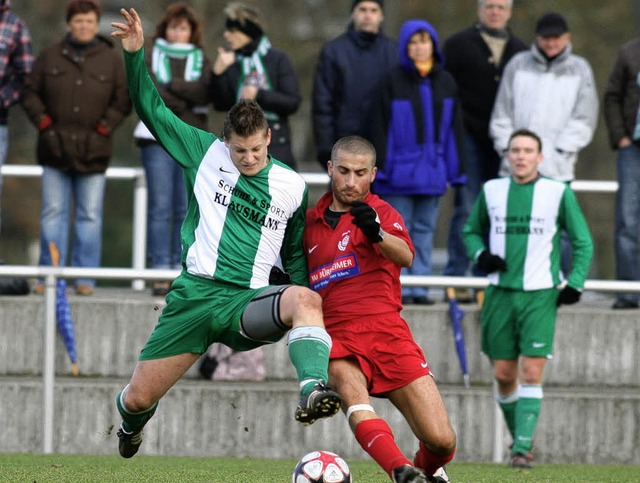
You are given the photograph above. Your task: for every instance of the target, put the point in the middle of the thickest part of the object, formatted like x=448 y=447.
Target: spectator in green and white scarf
x=252 y=69
x=182 y=74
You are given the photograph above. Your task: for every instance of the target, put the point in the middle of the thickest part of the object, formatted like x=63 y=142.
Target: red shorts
x=384 y=348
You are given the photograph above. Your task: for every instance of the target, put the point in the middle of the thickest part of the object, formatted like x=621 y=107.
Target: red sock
x=376 y=438
x=429 y=462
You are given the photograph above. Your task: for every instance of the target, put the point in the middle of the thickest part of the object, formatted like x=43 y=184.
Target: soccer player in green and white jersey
x=523 y=215
x=245 y=209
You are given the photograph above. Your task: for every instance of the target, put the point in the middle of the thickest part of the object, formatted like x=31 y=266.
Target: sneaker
x=84 y=290
x=440 y=476
x=129 y=442
x=520 y=460
x=408 y=474
x=321 y=402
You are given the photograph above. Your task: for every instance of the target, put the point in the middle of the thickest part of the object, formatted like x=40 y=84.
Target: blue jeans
x=628 y=217
x=4 y=150
x=483 y=164
x=88 y=196
x=420 y=214
x=167 y=206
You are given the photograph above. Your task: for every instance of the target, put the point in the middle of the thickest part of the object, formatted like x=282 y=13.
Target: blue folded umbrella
x=65 y=324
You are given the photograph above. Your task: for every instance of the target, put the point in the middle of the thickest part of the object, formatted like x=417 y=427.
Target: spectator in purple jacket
x=416 y=128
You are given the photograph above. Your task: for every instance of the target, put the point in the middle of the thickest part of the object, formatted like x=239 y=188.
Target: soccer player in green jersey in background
x=523 y=215
x=245 y=209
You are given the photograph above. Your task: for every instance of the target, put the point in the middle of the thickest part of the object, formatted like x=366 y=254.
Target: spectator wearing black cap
x=253 y=69
x=550 y=91
x=348 y=69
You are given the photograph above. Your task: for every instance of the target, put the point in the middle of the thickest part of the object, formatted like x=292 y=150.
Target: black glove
x=569 y=295
x=366 y=218
x=489 y=263
x=278 y=277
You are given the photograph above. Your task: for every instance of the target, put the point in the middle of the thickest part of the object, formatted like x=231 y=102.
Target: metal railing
x=50 y=276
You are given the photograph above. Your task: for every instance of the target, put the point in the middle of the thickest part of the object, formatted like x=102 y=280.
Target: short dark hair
x=354 y=145
x=244 y=119
x=527 y=133
x=82 y=6
x=178 y=11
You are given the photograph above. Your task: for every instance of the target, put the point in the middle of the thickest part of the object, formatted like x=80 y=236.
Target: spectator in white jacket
x=552 y=92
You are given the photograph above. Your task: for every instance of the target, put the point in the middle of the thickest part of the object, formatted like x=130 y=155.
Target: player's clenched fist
x=366 y=218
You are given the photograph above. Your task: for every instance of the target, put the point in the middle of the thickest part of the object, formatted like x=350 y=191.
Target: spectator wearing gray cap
x=550 y=91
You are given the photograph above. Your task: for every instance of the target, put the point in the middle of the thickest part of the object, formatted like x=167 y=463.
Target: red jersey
x=347 y=269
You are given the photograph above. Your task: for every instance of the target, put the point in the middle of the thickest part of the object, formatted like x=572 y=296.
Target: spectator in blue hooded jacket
x=416 y=127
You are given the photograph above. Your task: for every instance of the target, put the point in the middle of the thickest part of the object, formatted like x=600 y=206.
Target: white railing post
x=139 y=242
x=49 y=363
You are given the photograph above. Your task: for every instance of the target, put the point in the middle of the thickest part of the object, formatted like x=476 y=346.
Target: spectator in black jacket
x=476 y=57
x=252 y=69
x=348 y=69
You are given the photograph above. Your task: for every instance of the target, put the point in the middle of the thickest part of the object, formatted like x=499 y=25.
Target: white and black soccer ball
x=321 y=467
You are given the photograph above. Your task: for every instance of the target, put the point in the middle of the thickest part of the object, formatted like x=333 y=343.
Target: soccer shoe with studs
x=520 y=460
x=129 y=442
x=321 y=402
x=408 y=474
x=440 y=476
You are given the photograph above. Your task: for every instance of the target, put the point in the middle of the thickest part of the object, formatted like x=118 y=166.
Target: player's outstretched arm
x=130 y=32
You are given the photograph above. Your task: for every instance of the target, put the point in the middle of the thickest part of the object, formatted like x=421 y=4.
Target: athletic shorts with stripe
x=384 y=348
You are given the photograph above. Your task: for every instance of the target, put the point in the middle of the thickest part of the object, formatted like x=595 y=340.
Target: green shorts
x=516 y=322
x=199 y=312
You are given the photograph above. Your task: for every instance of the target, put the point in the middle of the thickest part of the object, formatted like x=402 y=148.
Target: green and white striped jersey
x=236 y=226
x=524 y=222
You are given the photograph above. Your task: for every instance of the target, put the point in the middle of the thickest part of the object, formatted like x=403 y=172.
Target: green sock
x=309 y=348
x=527 y=414
x=508 y=404
x=133 y=421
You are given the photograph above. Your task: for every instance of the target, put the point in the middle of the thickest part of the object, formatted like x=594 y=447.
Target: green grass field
x=77 y=468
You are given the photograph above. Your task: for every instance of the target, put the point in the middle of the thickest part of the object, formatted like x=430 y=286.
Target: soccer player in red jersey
x=356 y=244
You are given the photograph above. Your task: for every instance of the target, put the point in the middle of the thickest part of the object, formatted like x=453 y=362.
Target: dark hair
x=178 y=11
x=82 y=6
x=527 y=133
x=354 y=145
x=244 y=119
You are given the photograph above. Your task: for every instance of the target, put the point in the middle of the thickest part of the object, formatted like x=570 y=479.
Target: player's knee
x=443 y=442
x=136 y=401
x=306 y=299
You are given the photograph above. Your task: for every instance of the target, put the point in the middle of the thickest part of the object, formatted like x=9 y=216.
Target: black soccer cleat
x=520 y=460
x=440 y=476
x=408 y=474
x=129 y=443
x=321 y=402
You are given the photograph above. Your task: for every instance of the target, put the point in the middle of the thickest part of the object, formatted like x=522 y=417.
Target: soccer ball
x=321 y=467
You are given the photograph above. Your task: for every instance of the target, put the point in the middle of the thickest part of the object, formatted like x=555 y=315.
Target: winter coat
x=556 y=99
x=79 y=93
x=416 y=125
x=283 y=99
x=468 y=58
x=622 y=96
x=187 y=99
x=348 y=70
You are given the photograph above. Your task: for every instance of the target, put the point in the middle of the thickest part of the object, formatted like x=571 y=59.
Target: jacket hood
x=408 y=29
